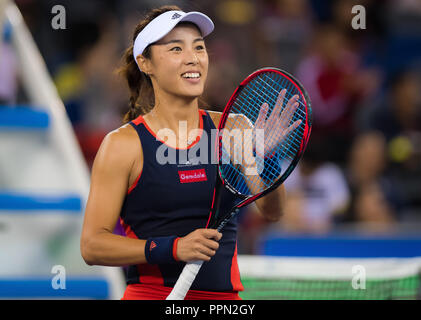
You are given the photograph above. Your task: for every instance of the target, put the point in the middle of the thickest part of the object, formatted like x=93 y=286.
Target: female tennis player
x=164 y=208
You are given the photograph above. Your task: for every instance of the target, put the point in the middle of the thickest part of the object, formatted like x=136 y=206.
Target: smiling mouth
x=191 y=75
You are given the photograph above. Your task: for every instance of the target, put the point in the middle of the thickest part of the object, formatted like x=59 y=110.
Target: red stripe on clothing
x=138 y=120
x=150 y=274
x=202 y=113
x=127 y=230
x=235 y=273
x=135 y=183
x=213 y=202
x=153 y=292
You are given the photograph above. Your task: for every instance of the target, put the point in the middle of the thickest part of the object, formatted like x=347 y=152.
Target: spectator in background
x=284 y=27
x=89 y=86
x=374 y=199
x=400 y=112
x=104 y=95
x=231 y=60
x=317 y=192
x=332 y=74
x=222 y=76
x=399 y=119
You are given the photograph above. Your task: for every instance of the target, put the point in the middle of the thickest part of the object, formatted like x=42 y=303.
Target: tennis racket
x=263 y=132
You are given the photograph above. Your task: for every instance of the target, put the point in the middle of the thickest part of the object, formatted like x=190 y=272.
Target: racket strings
x=259 y=93
x=254 y=179
x=245 y=111
x=301 y=110
x=273 y=102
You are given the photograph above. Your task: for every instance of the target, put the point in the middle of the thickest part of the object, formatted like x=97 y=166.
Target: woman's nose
x=191 y=58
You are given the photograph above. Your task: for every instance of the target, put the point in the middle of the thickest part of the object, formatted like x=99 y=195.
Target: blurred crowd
x=363 y=163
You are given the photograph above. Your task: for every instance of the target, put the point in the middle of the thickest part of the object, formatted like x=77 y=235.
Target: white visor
x=164 y=23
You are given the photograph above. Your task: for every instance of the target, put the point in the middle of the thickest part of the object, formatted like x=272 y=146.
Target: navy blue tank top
x=175 y=199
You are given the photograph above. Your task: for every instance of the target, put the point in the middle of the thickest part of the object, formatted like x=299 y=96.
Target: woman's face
x=179 y=62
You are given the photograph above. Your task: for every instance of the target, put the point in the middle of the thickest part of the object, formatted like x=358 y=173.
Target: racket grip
x=185 y=280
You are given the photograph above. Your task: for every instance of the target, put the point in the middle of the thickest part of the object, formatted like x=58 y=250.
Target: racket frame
x=222 y=182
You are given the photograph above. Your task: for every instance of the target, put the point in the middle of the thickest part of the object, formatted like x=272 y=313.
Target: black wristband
x=159 y=250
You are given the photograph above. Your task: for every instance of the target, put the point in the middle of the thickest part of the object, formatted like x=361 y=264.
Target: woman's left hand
x=276 y=128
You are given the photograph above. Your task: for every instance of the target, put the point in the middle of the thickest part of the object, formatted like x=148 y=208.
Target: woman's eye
x=175 y=49
x=200 y=47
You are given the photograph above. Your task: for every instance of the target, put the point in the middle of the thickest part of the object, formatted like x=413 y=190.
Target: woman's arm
x=109 y=185
x=272 y=205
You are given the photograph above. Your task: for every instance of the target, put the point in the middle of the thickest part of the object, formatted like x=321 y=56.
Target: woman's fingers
x=200 y=244
x=207 y=252
x=277 y=125
x=291 y=128
x=277 y=117
x=278 y=106
x=202 y=257
x=211 y=244
x=289 y=110
x=207 y=247
x=211 y=234
x=260 y=122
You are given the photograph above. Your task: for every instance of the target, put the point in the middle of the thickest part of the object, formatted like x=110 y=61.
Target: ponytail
x=142 y=98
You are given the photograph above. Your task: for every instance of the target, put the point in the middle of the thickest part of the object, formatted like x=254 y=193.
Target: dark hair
x=142 y=98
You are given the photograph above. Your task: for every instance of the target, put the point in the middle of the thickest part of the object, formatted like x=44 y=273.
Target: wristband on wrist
x=161 y=250
x=271 y=167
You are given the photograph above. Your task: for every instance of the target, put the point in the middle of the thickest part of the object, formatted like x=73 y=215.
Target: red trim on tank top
x=235 y=273
x=140 y=120
x=127 y=230
x=134 y=185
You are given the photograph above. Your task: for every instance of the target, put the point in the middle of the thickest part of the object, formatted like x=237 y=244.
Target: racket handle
x=185 y=280
x=222 y=223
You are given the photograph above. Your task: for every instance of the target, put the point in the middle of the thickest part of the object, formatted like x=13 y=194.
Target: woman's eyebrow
x=179 y=41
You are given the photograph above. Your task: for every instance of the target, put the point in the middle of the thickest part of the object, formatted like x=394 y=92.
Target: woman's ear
x=144 y=64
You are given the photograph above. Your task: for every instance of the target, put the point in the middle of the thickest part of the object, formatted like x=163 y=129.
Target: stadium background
x=360 y=178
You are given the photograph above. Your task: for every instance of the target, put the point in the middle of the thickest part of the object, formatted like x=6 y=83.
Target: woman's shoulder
x=122 y=136
x=120 y=146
